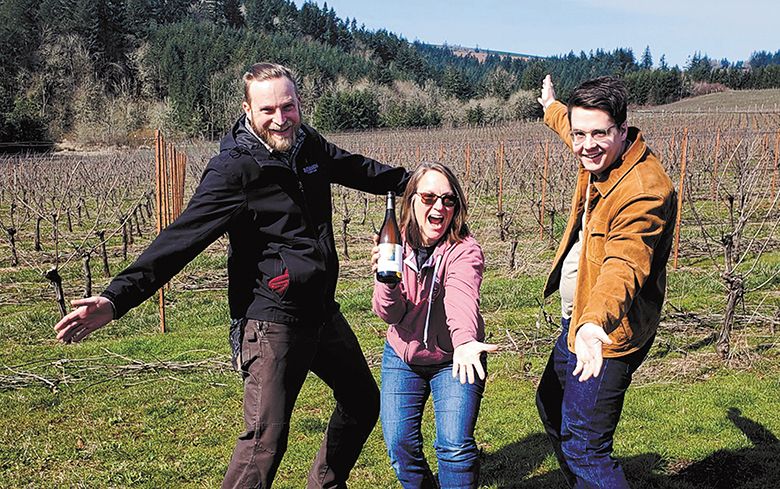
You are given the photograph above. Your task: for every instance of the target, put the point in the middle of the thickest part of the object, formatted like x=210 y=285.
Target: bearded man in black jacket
x=269 y=190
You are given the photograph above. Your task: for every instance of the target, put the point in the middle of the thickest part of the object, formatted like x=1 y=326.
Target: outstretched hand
x=465 y=360
x=90 y=314
x=587 y=346
x=548 y=92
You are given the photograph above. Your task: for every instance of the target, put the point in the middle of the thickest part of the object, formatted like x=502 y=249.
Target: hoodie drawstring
x=430 y=297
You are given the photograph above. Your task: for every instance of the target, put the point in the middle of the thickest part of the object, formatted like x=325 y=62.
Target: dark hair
x=605 y=93
x=411 y=230
x=266 y=71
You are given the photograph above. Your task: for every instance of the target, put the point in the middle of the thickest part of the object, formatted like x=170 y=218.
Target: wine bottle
x=390 y=250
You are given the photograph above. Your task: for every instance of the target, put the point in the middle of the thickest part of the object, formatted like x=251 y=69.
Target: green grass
x=166 y=429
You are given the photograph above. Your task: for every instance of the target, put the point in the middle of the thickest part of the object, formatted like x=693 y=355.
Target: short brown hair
x=266 y=71
x=605 y=93
x=458 y=229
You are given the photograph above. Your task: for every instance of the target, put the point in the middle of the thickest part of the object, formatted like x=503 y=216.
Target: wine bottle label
x=390 y=257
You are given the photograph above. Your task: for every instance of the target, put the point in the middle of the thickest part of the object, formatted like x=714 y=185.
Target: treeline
x=103 y=71
x=762 y=71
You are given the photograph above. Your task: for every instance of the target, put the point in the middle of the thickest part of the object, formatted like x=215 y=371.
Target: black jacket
x=275 y=218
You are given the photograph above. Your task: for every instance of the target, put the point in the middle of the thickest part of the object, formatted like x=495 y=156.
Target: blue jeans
x=405 y=388
x=581 y=417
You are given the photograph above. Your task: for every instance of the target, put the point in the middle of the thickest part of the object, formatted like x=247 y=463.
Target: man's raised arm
x=556 y=115
x=548 y=93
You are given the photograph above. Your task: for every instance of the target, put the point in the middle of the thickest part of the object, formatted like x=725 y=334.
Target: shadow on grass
x=518 y=460
x=757 y=467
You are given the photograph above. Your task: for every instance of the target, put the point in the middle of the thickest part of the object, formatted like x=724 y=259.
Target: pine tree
x=456 y=85
x=662 y=63
x=699 y=67
x=266 y=15
x=533 y=76
x=231 y=9
x=647 y=60
x=500 y=83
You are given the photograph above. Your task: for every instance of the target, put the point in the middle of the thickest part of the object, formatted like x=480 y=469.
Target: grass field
x=132 y=407
x=689 y=421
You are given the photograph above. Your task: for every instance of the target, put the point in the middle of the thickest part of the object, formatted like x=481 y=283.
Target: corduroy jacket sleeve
x=557 y=118
x=207 y=216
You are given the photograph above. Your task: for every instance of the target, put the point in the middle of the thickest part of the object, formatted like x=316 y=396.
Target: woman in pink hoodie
x=435 y=336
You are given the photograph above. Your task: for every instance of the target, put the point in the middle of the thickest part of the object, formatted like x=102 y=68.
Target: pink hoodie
x=427 y=320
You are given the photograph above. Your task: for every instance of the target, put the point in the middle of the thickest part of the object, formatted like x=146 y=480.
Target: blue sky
x=677 y=28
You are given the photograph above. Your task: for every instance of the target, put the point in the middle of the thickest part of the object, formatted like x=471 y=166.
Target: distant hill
x=730 y=100
x=481 y=54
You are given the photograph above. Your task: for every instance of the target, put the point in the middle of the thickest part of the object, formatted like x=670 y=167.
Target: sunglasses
x=447 y=200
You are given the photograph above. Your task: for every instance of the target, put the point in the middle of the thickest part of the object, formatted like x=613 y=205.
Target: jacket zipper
x=307 y=214
x=292 y=167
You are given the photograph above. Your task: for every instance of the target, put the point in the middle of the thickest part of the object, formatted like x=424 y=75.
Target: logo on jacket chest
x=311 y=168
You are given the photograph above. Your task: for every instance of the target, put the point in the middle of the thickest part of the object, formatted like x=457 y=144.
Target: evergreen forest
x=103 y=72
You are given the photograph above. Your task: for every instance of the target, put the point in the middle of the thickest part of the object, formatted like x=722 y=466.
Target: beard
x=275 y=141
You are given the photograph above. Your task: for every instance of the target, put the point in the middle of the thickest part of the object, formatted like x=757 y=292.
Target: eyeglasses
x=578 y=137
x=428 y=198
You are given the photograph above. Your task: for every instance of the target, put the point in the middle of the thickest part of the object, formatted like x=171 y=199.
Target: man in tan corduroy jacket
x=610 y=270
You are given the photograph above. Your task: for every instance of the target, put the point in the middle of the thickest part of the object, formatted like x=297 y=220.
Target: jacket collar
x=630 y=157
x=253 y=134
x=243 y=139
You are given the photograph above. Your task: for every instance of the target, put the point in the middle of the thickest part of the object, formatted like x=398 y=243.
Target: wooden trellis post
x=170 y=171
x=544 y=187
x=159 y=157
x=680 y=196
x=500 y=211
x=714 y=178
x=468 y=170
x=777 y=159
